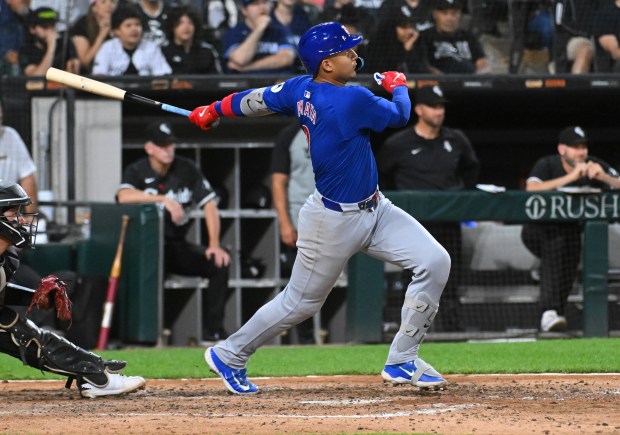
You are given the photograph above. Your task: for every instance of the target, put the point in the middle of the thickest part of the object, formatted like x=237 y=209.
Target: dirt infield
x=489 y=404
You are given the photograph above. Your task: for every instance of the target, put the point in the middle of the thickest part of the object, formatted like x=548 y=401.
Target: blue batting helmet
x=322 y=41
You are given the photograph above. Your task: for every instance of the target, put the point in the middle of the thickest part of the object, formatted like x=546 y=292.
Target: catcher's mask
x=19 y=229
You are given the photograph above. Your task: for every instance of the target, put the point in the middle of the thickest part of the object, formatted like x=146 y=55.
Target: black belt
x=368 y=204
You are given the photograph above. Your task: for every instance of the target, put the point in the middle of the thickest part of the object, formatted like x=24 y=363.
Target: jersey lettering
x=306 y=110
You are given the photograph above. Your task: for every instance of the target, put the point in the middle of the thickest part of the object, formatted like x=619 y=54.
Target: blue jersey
x=337 y=121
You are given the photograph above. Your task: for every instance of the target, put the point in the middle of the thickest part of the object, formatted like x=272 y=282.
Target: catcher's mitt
x=52 y=291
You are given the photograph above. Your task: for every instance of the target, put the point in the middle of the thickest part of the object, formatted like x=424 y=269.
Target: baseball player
x=346 y=213
x=36 y=347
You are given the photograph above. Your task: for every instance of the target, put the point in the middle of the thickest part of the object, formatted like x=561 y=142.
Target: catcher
x=36 y=347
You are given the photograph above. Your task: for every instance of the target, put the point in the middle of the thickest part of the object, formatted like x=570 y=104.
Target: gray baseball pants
x=326 y=241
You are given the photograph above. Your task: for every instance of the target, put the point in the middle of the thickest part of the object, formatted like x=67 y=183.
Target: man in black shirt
x=558 y=245
x=448 y=49
x=178 y=184
x=430 y=156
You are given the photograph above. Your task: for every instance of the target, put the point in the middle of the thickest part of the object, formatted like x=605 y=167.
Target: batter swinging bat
x=110 y=298
x=105 y=90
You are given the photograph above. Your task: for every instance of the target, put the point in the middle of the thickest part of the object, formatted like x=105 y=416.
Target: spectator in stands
x=292 y=182
x=446 y=48
x=45 y=47
x=430 y=156
x=607 y=33
x=485 y=15
x=184 y=51
x=217 y=17
x=292 y=15
x=558 y=245
x=67 y=14
x=346 y=10
x=13 y=13
x=92 y=30
x=574 y=28
x=154 y=16
x=128 y=53
x=258 y=44
x=392 y=47
x=177 y=183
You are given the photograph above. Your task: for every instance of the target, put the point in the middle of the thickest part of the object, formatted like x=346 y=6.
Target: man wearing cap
x=178 y=184
x=429 y=156
x=447 y=49
x=258 y=43
x=558 y=245
x=395 y=47
x=44 y=48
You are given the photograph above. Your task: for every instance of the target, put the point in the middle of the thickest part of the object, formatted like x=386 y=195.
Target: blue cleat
x=416 y=372
x=236 y=381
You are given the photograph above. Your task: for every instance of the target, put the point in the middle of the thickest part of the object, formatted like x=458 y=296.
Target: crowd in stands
x=159 y=37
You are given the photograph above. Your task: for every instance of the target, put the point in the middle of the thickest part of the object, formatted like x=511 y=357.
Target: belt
x=368 y=204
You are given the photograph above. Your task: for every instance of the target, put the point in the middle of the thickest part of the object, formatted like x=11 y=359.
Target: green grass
x=548 y=356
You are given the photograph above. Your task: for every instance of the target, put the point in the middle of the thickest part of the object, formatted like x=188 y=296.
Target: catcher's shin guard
x=38 y=348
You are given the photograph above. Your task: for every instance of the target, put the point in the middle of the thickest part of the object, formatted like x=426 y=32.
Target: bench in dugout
x=183 y=309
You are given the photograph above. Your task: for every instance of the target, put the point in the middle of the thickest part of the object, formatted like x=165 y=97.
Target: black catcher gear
x=18 y=228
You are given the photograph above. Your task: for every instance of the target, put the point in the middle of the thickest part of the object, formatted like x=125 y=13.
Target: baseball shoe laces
x=416 y=372
x=117 y=384
x=235 y=380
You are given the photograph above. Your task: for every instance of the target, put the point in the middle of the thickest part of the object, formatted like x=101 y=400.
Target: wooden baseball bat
x=105 y=90
x=112 y=290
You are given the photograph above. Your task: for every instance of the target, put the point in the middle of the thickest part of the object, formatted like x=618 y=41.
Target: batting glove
x=205 y=117
x=390 y=80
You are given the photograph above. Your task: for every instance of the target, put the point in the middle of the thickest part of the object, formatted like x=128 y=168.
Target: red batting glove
x=390 y=80
x=205 y=117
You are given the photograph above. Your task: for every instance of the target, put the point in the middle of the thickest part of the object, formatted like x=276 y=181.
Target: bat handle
x=174 y=109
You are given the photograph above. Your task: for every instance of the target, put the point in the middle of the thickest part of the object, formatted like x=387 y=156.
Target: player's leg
x=326 y=240
x=401 y=240
x=44 y=350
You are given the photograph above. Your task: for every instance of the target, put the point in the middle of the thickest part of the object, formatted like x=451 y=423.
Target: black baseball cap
x=448 y=4
x=43 y=16
x=429 y=96
x=124 y=12
x=572 y=136
x=403 y=16
x=160 y=133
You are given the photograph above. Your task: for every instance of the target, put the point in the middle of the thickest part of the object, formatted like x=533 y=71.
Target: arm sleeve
x=260 y=101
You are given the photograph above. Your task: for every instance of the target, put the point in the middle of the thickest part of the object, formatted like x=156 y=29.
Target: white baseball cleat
x=552 y=321
x=117 y=384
